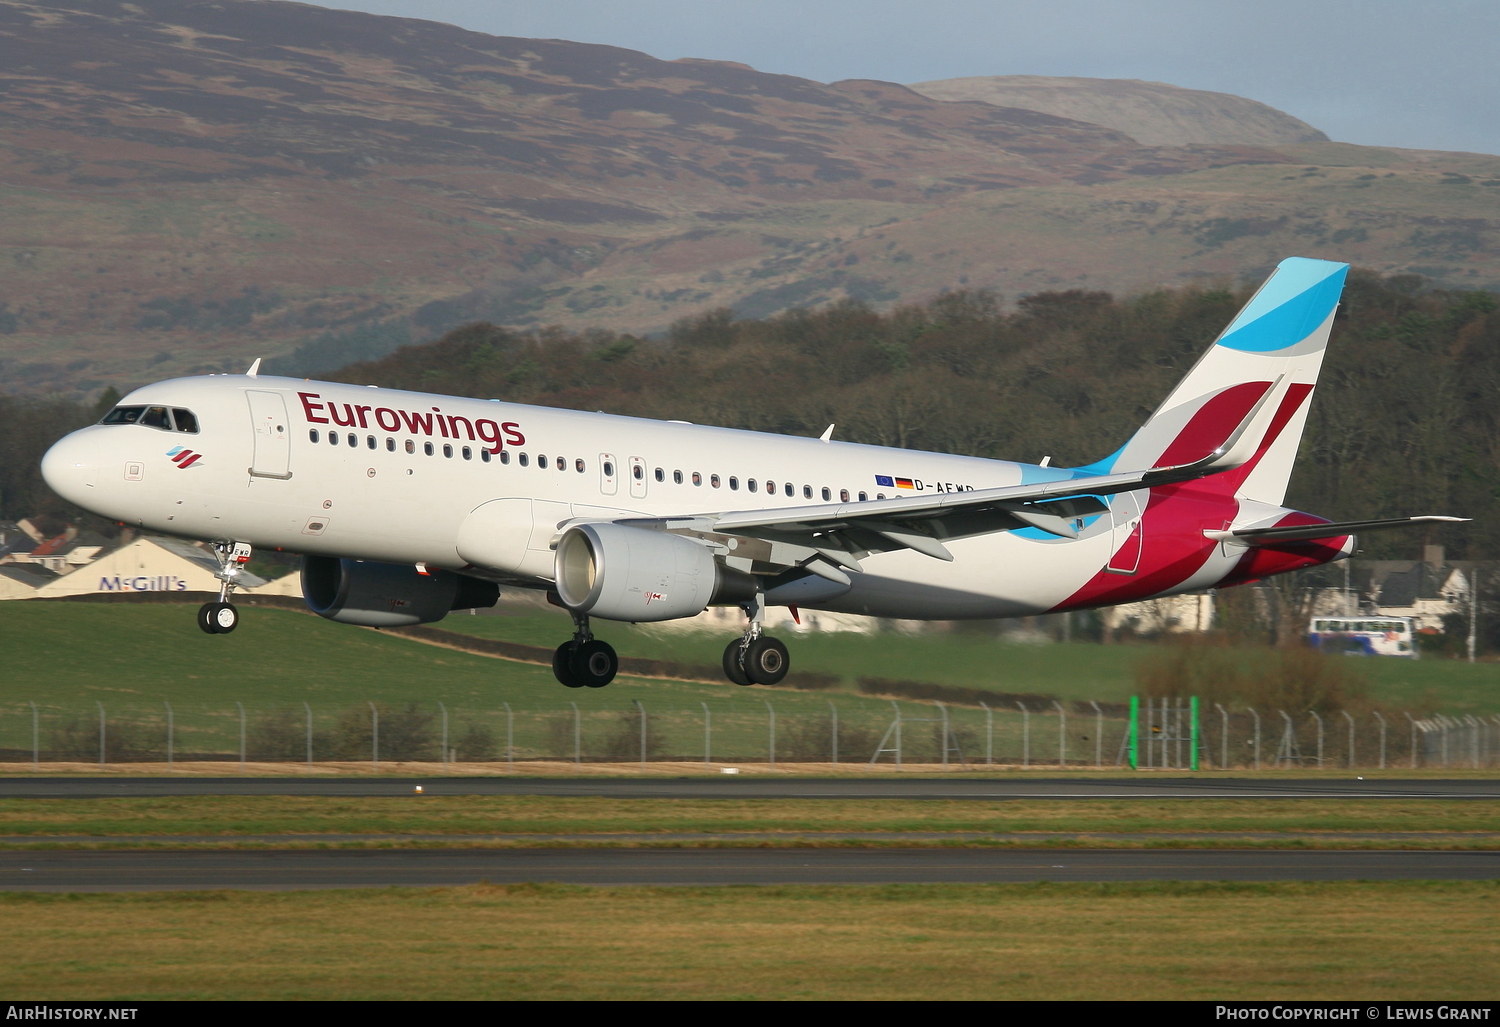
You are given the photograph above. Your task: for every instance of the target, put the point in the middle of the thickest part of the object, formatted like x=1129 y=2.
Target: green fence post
x=1193 y=727
x=1135 y=713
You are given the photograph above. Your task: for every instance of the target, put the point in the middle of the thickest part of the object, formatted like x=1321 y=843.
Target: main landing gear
x=585 y=661
x=756 y=659
x=222 y=617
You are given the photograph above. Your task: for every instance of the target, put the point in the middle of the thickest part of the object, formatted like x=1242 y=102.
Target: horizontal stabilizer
x=1306 y=532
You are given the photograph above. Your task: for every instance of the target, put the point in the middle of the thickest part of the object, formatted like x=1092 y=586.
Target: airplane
x=407 y=506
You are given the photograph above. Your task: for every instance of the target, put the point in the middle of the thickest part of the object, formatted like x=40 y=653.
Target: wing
x=1305 y=532
x=828 y=539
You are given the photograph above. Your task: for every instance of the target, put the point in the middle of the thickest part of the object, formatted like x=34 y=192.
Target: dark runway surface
x=163 y=871
x=1336 y=786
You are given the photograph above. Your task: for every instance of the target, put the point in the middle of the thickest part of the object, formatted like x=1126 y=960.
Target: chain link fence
x=891 y=735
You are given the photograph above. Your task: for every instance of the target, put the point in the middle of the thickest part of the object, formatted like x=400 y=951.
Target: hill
x=1151 y=113
x=189 y=185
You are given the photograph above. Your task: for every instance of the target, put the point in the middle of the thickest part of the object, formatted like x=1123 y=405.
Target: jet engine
x=388 y=595
x=634 y=574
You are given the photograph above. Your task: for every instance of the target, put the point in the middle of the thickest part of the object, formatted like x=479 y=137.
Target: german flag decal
x=894 y=483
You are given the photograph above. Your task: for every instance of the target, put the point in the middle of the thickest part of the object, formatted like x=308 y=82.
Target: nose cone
x=70 y=468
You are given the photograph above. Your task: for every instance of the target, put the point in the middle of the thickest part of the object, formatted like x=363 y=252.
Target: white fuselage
x=273 y=479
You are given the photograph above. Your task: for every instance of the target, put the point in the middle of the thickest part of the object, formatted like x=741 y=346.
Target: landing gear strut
x=585 y=661
x=756 y=658
x=222 y=617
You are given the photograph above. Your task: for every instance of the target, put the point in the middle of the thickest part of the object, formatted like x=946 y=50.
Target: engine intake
x=388 y=595
x=634 y=574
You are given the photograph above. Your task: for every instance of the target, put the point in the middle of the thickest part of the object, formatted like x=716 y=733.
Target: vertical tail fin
x=1279 y=336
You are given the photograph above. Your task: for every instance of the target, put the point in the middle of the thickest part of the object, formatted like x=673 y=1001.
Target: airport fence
x=1151 y=734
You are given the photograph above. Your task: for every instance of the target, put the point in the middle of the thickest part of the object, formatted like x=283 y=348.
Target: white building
x=148 y=564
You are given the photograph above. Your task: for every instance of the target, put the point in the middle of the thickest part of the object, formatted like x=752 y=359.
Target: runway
x=1338 y=785
x=61 y=871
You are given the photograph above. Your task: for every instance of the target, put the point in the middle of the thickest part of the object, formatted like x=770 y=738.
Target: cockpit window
x=154 y=417
x=123 y=415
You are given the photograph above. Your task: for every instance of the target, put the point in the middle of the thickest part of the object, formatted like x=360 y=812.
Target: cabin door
x=273 y=439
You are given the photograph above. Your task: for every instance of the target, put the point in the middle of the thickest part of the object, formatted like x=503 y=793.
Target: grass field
x=1047 y=941
x=71 y=659
x=230 y=816
x=1078 y=670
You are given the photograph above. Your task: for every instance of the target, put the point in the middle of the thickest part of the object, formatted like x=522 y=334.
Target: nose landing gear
x=222 y=617
x=585 y=661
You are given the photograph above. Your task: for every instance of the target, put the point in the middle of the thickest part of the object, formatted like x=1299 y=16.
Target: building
x=146 y=564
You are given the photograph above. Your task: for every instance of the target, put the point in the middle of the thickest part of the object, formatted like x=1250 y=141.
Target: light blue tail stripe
x=1289 y=307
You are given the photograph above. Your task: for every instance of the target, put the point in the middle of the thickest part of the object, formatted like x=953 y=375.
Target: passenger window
x=186 y=420
x=562 y=464
x=677 y=477
x=789 y=489
x=734 y=484
x=749 y=484
x=468 y=453
x=578 y=465
x=525 y=460
x=609 y=469
x=638 y=471
x=390 y=445
x=843 y=495
x=333 y=438
x=771 y=488
x=411 y=447
x=697 y=478
x=661 y=475
x=505 y=456
x=448 y=451
x=369 y=442
x=807 y=492
x=123 y=415
x=862 y=497
x=427 y=448
x=353 y=441
x=880 y=495
x=827 y=495
x=713 y=481
x=541 y=461
x=312 y=434
x=156 y=417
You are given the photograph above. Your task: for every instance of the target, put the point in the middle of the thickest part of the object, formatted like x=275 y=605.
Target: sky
x=1412 y=73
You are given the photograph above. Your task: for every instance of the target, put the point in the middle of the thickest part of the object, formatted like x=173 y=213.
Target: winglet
x=254 y=371
x=827 y=434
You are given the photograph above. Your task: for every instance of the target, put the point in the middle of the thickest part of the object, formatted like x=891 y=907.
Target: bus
x=1364 y=636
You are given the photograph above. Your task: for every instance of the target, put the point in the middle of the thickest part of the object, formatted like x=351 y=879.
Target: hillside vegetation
x=188 y=186
x=1152 y=113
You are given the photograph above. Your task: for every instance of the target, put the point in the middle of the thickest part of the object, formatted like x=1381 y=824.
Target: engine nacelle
x=634 y=574
x=388 y=595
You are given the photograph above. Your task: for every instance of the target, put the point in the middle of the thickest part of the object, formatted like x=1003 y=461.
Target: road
x=59 y=871
x=1335 y=786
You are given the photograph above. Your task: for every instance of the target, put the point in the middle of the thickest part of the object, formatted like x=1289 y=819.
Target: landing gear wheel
x=593 y=663
x=560 y=668
x=766 y=661
x=218 y=618
x=732 y=669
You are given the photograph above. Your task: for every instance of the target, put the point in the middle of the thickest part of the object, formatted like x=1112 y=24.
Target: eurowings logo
x=183 y=458
x=894 y=483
